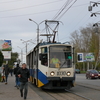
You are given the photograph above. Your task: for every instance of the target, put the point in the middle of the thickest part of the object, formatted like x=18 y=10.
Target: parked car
x=92 y=73
x=99 y=72
x=77 y=71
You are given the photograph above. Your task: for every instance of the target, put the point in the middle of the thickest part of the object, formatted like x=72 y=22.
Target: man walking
x=23 y=74
x=16 y=76
x=6 y=71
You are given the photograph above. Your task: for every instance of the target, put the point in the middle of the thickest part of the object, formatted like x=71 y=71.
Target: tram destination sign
x=61 y=48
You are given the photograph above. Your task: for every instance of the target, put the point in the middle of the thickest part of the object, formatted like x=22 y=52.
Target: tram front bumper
x=58 y=78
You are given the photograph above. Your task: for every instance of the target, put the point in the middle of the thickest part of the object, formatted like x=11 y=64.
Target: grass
x=83 y=72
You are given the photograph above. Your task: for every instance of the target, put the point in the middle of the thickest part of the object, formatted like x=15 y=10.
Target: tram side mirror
x=40 y=56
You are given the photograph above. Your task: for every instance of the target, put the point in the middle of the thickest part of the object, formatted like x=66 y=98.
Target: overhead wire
x=61 y=9
x=30 y=14
x=30 y=46
x=66 y=10
x=10 y=1
x=30 y=6
x=78 y=23
x=38 y=13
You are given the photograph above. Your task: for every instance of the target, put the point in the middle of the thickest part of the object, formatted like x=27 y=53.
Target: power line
x=29 y=14
x=67 y=9
x=61 y=10
x=78 y=23
x=30 y=6
x=10 y=1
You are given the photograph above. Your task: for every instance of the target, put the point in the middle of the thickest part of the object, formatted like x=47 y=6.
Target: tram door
x=36 y=65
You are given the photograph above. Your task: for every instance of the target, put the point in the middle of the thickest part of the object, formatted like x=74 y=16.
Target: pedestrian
x=6 y=71
x=24 y=75
x=16 y=76
x=2 y=75
x=11 y=71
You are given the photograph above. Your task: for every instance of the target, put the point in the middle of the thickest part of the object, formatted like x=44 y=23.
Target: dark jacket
x=16 y=70
x=6 y=70
x=24 y=74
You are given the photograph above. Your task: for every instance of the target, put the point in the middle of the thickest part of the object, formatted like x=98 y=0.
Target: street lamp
x=37 y=28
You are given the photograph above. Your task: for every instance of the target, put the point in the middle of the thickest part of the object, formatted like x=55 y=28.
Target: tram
x=51 y=64
x=45 y=74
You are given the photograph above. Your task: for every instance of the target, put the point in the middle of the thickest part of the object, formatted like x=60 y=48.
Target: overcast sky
x=15 y=14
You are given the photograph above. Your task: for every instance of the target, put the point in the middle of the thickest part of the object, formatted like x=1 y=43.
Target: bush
x=83 y=72
x=1 y=58
x=0 y=77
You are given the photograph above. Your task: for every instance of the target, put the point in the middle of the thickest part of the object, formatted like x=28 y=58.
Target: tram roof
x=45 y=43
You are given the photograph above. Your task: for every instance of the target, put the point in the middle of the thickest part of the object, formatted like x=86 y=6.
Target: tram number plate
x=61 y=73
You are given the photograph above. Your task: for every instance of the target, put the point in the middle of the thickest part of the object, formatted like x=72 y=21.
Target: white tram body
x=52 y=76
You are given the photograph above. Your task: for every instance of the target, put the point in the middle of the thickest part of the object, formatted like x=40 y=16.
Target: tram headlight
x=52 y=73
x=68 y=73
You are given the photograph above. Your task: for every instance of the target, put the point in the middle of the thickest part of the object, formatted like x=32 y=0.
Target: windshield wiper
x=63 y=64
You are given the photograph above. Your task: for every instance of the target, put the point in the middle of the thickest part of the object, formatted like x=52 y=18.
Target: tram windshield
x=60 y=56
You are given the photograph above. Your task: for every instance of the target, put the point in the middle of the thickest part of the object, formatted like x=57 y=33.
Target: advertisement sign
x=89 y=57
x=85 y=57
x=7 y=55
x=80 y=57
x=5 y=45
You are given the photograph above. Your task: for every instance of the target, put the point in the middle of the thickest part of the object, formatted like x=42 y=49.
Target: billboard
x=80 y=57
x=89 y=57
x=5 y=45
x=85 y=57
x=7 y=55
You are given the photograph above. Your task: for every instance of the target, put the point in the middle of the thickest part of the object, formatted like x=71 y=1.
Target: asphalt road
x=80 y=78
x=89 y=88
x=91 y=94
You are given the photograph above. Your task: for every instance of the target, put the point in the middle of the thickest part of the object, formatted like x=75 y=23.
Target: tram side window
x=44 y=60
x=43 y=56
x=34 y=58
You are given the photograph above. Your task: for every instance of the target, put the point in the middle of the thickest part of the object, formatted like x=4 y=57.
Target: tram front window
x=60 y=57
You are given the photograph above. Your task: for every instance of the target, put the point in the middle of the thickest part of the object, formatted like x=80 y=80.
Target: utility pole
x=26 y=43
x=97 y=31
x=90 y=8
x=21 y=53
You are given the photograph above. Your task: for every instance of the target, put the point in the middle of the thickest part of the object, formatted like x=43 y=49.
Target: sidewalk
x=9 y=92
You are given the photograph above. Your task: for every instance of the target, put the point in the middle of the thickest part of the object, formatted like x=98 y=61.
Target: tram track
x=66 y=95
x=80 y=92
x=90 y=87
x=86 y=98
